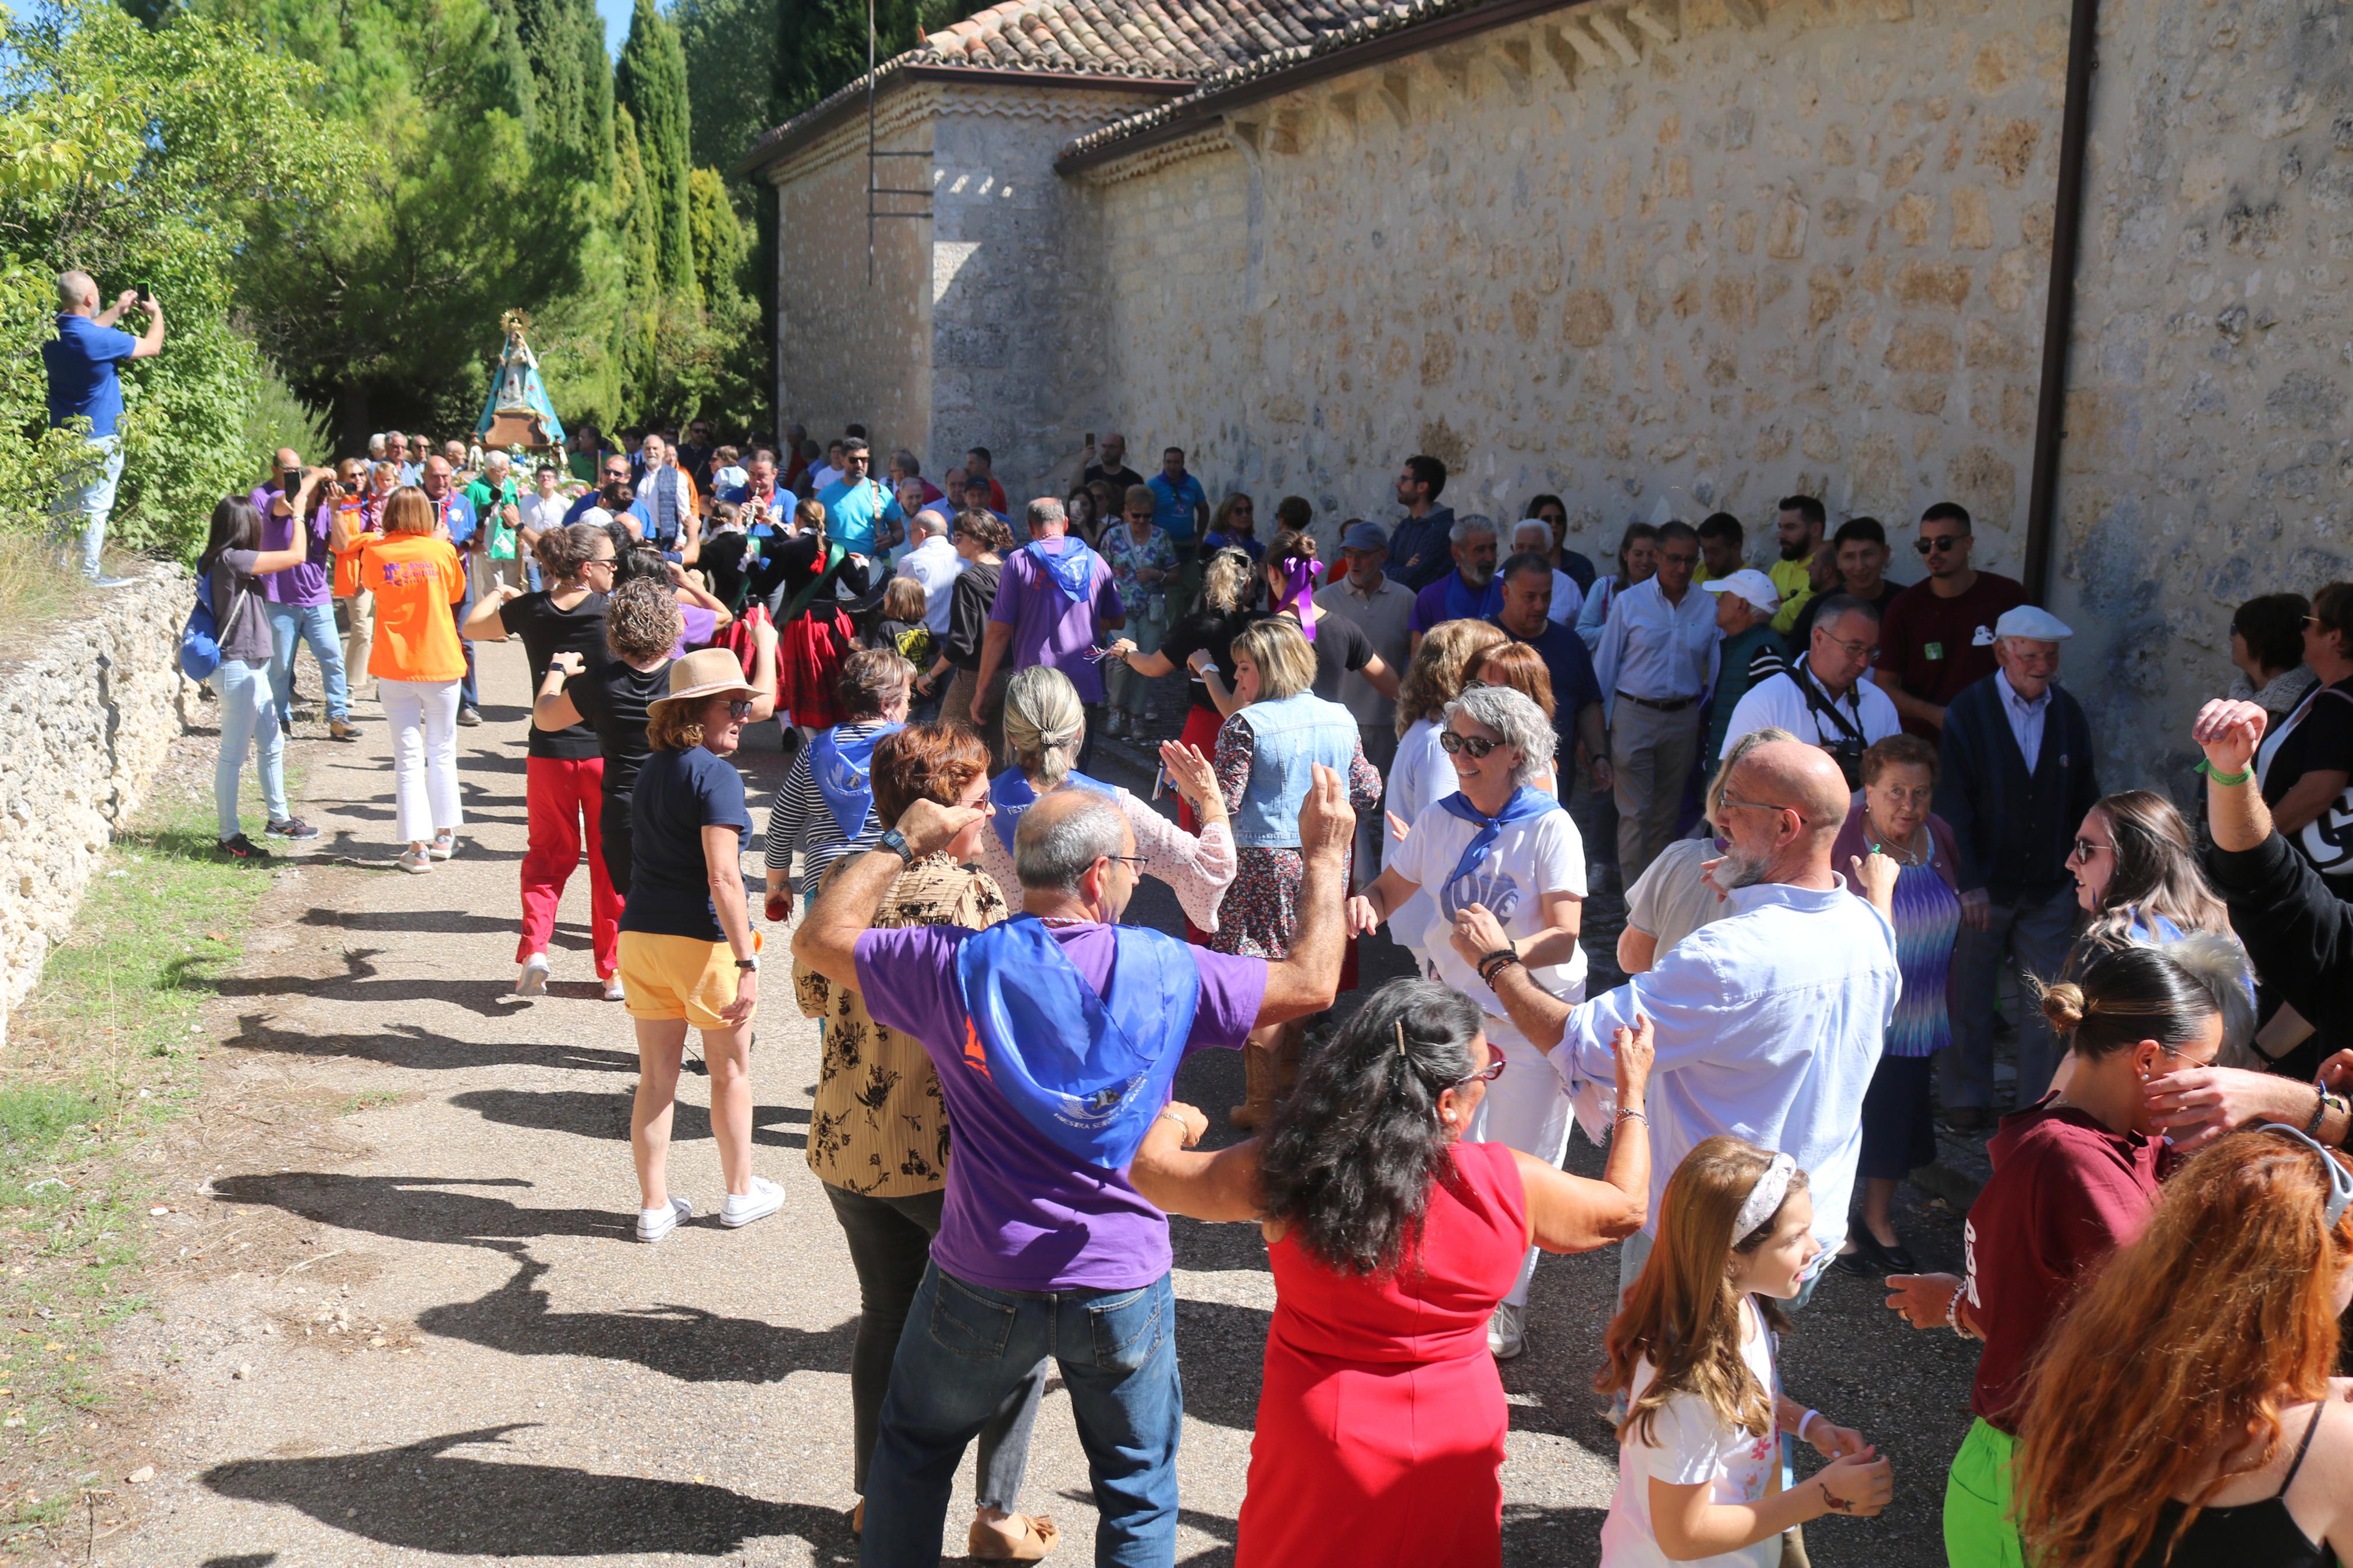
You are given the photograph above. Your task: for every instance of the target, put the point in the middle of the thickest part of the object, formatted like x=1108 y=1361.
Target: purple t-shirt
x=1019 y=1214
x=305 y=583
x=700 y=625
x=1049 y=627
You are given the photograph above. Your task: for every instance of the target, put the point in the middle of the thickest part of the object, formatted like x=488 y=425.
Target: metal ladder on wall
x=874 y=156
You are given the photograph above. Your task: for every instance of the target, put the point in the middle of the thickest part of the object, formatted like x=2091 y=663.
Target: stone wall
x=85 y=721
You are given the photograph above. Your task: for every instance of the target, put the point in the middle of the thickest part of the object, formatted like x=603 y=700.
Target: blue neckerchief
x=1088 y=1072
x=1461 y=607
x=1525 y=805
x=1072 y=569
x=842 y=770
x=1011 y=794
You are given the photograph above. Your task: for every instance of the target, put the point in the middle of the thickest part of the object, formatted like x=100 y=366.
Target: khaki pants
x=1652 y=755
x=359 y=638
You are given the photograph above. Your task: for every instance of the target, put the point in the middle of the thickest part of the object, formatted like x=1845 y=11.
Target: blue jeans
x=966 y=1347
x=249 y=715
x=88 y=499
x=2035 y=934
x=315 y=624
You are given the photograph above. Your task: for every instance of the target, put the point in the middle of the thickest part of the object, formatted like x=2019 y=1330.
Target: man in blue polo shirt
x=854 y=503
x=81 y=361
x=1179 y=505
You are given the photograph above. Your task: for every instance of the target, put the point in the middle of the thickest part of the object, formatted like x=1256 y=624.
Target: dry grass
x=36 y=587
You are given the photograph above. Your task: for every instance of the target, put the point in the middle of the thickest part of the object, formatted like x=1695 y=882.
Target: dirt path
x=411 y=1323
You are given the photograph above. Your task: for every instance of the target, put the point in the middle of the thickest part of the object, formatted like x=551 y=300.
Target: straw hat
x=705 y=672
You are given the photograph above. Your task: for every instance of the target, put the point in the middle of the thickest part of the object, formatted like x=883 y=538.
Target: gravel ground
x=411 y=1324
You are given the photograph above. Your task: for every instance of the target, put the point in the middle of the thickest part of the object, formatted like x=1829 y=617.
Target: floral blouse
x=879 y=1126
x=1124 y=555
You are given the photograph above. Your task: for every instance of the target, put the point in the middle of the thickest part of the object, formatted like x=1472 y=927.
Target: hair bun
x=2063 y=1005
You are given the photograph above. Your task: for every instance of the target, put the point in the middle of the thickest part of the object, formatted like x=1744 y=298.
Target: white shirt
x=1767 y=1024
x=1654 y=650
x=1690 y=1447
x=2025 y=718
x=541 y=513
x=1542 y=855
x=1420 y=773
x=936 y=566
x=1567 y=598
x=822 y=477
x=1777 y=702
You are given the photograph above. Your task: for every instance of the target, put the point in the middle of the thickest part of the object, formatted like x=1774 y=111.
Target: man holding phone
x=295 y=504
x=81 y=361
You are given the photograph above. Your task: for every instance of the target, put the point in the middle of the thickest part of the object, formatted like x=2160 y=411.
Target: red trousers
x=565 y=799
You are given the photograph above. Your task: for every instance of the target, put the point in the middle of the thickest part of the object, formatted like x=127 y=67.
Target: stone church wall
x=1681 y=258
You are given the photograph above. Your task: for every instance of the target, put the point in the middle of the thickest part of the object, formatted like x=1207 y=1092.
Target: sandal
x=988 y=1547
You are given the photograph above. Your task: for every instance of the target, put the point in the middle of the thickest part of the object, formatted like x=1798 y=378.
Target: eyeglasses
x=1865 y=651
x=1937 y=543
x=1134 y=863
x=2341 y=1181
x=739 y=710
x=1759 y=805
x=1243 y=506
x=1679 y=558
x=1488 y=1074
x=2085 y=849
x=1477 y=745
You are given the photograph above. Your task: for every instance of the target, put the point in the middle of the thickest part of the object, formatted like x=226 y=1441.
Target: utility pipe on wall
x=2059 y=312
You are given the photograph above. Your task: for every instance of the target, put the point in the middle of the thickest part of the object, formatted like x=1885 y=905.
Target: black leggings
x=613 y=824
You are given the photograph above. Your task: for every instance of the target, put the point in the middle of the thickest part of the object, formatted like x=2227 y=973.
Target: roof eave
x=1212 y=102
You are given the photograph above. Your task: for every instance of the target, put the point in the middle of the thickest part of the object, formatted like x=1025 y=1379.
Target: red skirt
x=810 y=651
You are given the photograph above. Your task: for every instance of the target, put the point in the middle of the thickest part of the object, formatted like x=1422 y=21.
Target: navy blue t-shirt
x=1573 y=684
x=679 y=794
x=82 y=360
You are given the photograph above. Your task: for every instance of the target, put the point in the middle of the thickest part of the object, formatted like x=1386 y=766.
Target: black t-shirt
x=679 y=794
x=1341 y=647
x=1120 y=479
x=1801 y=632
x=1206 y=628
x=613 y=703
x=721 y=559
x=547 y=631
x=2321 y=742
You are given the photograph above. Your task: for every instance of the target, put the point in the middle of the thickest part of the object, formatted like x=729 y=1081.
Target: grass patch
x=107 y=1048
x=36 y=586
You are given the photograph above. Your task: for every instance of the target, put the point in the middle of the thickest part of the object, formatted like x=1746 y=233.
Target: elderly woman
x=1234 y=526
x=1143 y=561
x=1195 y=643
x=879 y=1130
x=1535 y=536
x=688 y=954
x=1391 y=1232
x=1499 y=843
x=824 y=808
x=1422 y=773
x=1266 y=759
x=1044 y=726
x=1890 y=816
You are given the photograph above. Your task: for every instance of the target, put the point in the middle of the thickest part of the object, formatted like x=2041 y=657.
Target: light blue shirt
x=2025 y=718
x=1174 y=506
x=1769 y=1023
x=852 y=511
x=1654 y=649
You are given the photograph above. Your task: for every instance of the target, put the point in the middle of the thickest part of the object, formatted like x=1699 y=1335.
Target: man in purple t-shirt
x=297 y=601
x=1054 y=602
x=1040 y=1253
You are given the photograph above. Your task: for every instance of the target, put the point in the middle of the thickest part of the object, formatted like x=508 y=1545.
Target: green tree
x=829 y=42
x=146 y=154
x=565 y=42
x=733 y=57
x=650 y=80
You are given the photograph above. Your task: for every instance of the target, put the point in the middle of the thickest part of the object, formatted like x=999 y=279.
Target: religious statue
x=517 y=414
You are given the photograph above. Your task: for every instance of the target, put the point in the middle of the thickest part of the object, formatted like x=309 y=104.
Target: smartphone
x=290 y=480
x=146 y=296
x=1091 y=434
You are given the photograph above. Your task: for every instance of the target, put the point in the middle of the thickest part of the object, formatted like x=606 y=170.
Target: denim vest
x=1288 y=738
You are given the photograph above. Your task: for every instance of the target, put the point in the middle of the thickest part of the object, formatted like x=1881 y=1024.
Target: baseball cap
x=1751 y=584
x=1363 y=535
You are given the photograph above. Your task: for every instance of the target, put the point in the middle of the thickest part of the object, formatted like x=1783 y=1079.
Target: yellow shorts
x=665 y=977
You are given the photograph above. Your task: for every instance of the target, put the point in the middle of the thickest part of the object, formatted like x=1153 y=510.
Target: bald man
x=81 y=361
x=1768 y=1020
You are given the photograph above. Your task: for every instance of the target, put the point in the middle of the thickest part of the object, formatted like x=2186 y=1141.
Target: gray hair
x=1516 y=717
x=494 y=459
x=1045 y=510
x=376 y=444
x=1539 y=524
x=1470 y=523
x=1044 y=723
x=927 y=522
x=75 y=287
x=2217 y=962
x=1050 y=854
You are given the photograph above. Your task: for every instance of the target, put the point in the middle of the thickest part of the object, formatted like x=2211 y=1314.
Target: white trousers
x=1527 y=1109
x=424 y=719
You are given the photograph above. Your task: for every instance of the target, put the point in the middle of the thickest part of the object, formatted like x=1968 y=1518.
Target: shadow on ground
x=419 y=1208
x=410 y=1046
x=593 y=1115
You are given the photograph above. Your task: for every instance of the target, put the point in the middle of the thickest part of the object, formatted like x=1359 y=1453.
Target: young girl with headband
x=1693 y=1355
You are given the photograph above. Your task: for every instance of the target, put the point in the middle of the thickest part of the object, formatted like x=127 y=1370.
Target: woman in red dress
x=1381 y=1422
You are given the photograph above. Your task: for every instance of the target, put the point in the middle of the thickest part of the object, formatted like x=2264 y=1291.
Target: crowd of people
x=1841 y=810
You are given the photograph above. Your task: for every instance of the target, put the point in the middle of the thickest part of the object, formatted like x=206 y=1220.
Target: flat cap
x=2034 y=623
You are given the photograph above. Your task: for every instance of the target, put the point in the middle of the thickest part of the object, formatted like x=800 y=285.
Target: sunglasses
x=739 y=710
x=1487 y=1074
x=1476 y=745
x=2341 y=1181
x=2084 y=850
x=1937 y=543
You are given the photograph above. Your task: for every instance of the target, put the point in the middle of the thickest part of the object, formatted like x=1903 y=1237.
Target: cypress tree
x=564 y=40
x=650 y=82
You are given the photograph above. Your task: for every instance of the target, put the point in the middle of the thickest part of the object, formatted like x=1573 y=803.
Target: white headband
x=1765 y=1198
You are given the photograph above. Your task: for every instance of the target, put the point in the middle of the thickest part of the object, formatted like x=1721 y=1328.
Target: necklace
x=1904 y=857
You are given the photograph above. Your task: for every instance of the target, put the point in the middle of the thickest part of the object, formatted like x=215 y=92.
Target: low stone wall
x=87 y=713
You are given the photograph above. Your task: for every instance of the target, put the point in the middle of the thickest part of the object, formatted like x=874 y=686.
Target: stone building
x=1660 y=258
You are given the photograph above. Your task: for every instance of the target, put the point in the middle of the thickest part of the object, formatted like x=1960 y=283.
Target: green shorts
x=1978 y=1530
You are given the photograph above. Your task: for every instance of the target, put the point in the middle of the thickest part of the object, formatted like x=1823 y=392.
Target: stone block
x=2008 y=148
x=1588 y=317
x=1911 y=217
x=1921 y=346
x=1972 y=220
x=1932 y=283
x=1785 y=239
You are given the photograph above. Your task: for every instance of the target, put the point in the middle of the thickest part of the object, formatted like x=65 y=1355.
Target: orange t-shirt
x=417 y=580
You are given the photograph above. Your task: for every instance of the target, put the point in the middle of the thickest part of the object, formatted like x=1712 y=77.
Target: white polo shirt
x=1777 y=701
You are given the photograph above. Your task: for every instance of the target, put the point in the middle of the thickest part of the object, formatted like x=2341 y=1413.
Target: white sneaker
x=1507 y=1333
x=445 y=844
x=613 y=989
x=534 y=980
x=742 y=1208
x=655 y=1224
x=415 y=860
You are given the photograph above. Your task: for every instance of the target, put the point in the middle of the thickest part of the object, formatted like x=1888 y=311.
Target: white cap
x=1751 y=584
x=2035 y=624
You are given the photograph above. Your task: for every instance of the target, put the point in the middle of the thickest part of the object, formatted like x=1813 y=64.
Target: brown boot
x=1258 y=1089
x=1286 y=1063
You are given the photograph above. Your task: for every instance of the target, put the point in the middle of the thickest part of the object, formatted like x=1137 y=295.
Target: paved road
x=410 y=1323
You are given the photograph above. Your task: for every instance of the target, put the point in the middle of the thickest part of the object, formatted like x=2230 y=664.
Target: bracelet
x=1630 y=1116
x=2220 y=777
x=1495 y=963
x=1953 y=1310
x=2319 y=1109
x=1168 y=1115
x=1802 y=1420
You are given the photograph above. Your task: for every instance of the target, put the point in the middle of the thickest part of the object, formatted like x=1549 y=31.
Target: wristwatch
x=896 y=843
x=751 y=964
